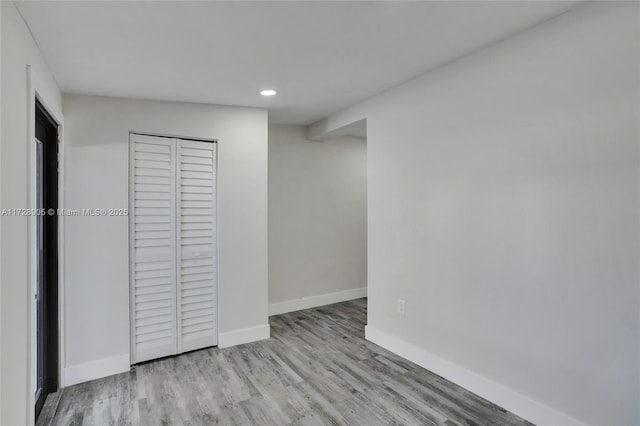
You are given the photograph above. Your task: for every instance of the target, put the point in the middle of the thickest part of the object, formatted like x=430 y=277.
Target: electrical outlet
x=401 y=306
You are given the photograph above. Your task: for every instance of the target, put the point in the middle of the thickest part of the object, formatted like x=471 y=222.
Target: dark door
x=46 y=292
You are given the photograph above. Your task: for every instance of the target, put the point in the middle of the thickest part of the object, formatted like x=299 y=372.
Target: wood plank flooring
x=316 y=369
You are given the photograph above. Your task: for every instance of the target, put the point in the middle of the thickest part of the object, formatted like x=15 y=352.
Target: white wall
x=503 y=207
x=317 y=219
x=18 y=50
x=0 y=209
x=97 y=304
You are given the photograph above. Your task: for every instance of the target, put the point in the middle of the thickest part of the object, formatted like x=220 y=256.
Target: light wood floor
x=317 y=369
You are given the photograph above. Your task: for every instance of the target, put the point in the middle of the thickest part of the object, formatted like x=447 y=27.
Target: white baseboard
x=79 y=373
x=508 y=399
x=313 y=301
x=104 y=367
x=244 y=335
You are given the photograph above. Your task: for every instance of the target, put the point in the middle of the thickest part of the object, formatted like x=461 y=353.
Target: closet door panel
x=197 y=255
x=152 y=233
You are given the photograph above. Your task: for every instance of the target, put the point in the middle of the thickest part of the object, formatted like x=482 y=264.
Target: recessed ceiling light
x=268 y=92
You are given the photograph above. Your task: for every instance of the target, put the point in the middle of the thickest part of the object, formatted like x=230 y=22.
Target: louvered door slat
x=197 y=257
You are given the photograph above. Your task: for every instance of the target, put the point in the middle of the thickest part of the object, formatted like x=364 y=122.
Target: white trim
x=130 y=222
x=61 y=256
x=314 y=301
x=508 y=399
x=97 y=369
x=217 y=244
x=244 y=335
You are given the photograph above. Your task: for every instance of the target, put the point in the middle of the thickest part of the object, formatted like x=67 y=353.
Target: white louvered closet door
x=173 y=246
x=197 y=257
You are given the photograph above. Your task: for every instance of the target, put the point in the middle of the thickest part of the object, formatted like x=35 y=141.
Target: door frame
x=37 y=90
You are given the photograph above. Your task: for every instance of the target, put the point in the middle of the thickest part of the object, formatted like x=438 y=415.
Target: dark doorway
x=46 y=292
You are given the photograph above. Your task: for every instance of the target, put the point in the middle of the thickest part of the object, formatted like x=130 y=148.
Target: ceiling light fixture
x=268 y=92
